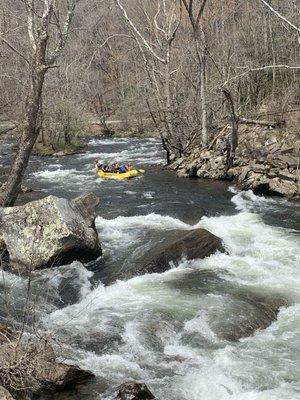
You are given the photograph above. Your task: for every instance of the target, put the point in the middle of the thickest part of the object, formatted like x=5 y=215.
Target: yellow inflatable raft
x=120 y=175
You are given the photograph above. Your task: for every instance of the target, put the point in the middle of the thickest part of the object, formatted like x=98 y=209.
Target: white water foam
x=259 y=254
x=124 y=232
x=149 y=195
x=248 y=201
x=107 y=142
x=155 y=318
x=138 y=155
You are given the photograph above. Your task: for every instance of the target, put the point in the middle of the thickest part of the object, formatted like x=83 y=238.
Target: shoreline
x=266 y=161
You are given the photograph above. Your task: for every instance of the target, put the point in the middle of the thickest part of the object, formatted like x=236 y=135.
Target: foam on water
x=60 y=174
x=121 y=232
x=161 y=329
x=247 y=370
x=73 y=176
x=138 y=155
x=149 y=195
x=248 y=201
x=259 y=254
x=108 y=142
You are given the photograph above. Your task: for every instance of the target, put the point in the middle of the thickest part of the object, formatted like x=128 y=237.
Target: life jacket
x=122 y=168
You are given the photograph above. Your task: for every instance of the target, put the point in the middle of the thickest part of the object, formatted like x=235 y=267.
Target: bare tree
x=196 y=16
x=40 y=28
x=157 y=58
x=153 y=65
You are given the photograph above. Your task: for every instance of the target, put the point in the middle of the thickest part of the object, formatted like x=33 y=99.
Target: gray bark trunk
x=11 y=188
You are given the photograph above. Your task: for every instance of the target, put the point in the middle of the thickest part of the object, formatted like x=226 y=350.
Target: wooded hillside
x=181 y=67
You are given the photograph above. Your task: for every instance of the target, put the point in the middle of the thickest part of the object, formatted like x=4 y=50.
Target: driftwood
x=272 y=124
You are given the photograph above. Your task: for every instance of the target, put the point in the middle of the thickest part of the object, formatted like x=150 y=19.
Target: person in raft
x=98 y=165
x=113 y=168
x=102 y=166
x=123 y=168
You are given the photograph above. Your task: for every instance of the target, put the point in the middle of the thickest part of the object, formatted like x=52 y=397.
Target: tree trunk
x=235 y=128
x=199 y=36
x=106 y=130
x=203 y=103
x=11 y=188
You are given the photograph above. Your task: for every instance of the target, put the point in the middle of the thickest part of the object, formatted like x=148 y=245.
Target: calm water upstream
x=165 y=329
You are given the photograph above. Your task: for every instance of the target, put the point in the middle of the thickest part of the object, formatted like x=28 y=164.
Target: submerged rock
x=51 y=231
x=257 y=313
x=193 y=244
x=134 y=391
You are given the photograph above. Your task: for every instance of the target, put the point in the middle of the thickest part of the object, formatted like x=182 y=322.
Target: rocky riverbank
x=267 y=161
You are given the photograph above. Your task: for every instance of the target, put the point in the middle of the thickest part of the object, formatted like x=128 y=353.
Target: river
x=167 y=329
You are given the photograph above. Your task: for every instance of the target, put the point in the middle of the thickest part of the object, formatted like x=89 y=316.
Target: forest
x=149 y=199
x=182 y=68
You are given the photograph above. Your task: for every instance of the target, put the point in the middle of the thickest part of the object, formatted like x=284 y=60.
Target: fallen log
x=271 y=124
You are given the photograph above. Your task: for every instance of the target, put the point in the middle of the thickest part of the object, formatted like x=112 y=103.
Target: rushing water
x=166 y=329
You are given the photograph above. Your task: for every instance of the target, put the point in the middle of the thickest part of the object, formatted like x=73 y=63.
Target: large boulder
x=134 y=391
x=50 y=231
x=193 y=244
x=275 y=186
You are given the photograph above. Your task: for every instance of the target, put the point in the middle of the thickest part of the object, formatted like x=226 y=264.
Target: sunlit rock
x=50 y=231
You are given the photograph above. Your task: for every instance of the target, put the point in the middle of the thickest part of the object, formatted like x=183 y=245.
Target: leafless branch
x=280 y=16
x=138 y=33
x=14 y=49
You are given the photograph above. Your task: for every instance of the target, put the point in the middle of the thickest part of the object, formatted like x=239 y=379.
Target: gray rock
x=50 y=231
x=243 y=174
x=259 y=168
x=194 y=244
x=134 y=391
x=285 y=149
x=192 y=172
x=176 y=164
x=285 y=188
x=262 y=310
x=182 y=173
x=283 y=161
x=26 y=189
x=275 y=186
x=274 y=148
x=201 y=173
x=286 y=175
x=234 y=172
x=272 y=174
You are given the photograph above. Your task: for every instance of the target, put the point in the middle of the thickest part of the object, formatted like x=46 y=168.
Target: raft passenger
x=122 y=168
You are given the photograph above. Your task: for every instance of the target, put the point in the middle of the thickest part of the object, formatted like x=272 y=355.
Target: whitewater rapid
x=167 y=329
x=161 y=329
